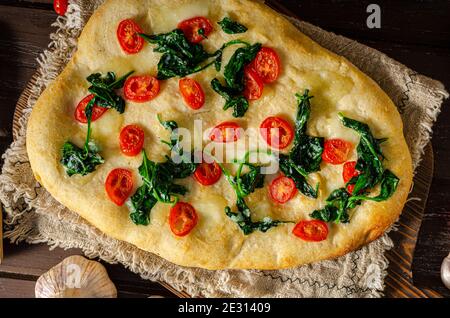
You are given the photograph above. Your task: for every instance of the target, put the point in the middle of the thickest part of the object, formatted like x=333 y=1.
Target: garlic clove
x=445 y=271
x=76 y=277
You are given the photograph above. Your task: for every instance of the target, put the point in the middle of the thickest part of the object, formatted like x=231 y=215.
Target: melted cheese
x=166 y=16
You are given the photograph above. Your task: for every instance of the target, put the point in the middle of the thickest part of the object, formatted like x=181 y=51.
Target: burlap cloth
x=34 y=216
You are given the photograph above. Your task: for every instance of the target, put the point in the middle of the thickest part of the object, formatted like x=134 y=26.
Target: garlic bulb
x=76 y=277
x=445 y=271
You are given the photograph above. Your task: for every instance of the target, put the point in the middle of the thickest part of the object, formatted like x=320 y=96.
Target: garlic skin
x=445 y=271
x=76 y=277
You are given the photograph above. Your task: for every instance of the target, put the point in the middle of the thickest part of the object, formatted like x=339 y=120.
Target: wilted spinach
x=181 y=57
x=82 y=161
x=159 y=181
x=237 y=102
x=232 y=27
x=244 y=185
x=336 y=208
x=234 y=79
x=104 y=86
x=243 y=219
x=370 y=156
x=306 y=154
x=389 y=183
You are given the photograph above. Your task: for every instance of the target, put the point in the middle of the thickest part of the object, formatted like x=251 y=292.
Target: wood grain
x=28 y=262
x=399 y=282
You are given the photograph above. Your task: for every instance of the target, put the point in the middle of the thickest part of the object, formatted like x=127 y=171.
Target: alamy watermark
x=374 y=19
x=73 y=276
x=228 y=145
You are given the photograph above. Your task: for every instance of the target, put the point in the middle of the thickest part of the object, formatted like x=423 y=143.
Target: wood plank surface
x=416 y=33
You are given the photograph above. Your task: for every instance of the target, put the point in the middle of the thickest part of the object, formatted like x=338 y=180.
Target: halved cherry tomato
x=182 y=218
x=311 y=231
x=127 y=34
x=208 y=173
x=282 y=189
x=141 y=89
x=131 y=140
x=277 y=132
x=119 y=185
x=349 y=171
x=253 y=84
x=226 y=132
x=336 y=151
x=192 y=92
x=196 y=29
x=350 y=188
x=60 y=6
x=97 y=111
x=267 y=65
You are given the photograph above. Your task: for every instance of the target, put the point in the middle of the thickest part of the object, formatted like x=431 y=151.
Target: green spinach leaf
x=234 y=79
x=369 y=156
x=389 y=184
x=336 y=208
x=298 y=175
x=82 y=161
x=244 y=185
x=77 y=161
x=243 y=219
x=249 y=182
x=104 y=86
x=159 y=180
x=232 y=27
x=372 y=173
x=180 y=57
x=238 y=103
x=234 y=70
x=306 y=154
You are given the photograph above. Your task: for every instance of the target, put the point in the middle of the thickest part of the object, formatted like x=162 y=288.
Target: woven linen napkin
x=32 y=215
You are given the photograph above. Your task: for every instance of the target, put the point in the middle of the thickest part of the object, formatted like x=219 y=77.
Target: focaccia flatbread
x=216 y=242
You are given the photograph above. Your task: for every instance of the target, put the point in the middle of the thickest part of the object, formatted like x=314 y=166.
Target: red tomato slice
x=226 y=132
x=253 y=84
x=97 y=111
x=311 y=231
x=267 y=65
x=60 y=6
x=192 y=92
x=349 y=171
x=191 y=29
x=208 y=173
x=182 y=218
x=131 y=140
x=336 y=151
x=127 y=34
x=350 y=188
x=282 y=189
x=119 y=185
x=141 y=89
x=277 y=132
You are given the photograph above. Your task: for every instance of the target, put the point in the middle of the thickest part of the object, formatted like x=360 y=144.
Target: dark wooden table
x=415 y=32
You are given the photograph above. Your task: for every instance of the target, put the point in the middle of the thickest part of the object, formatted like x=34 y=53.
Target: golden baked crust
x=216 y=242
